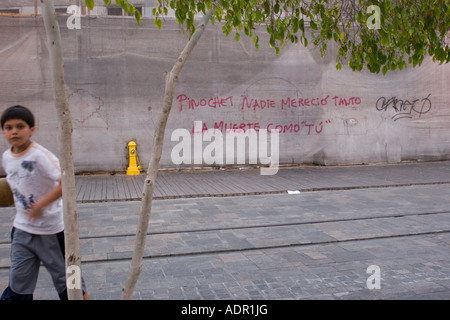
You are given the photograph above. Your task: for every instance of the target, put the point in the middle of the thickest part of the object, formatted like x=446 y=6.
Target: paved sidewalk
x=183 y=184
x=238 y=240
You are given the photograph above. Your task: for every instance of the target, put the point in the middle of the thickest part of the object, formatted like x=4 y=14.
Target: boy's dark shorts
x=27 y=252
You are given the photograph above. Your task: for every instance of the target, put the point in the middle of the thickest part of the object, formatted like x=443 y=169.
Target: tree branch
x=144 y=215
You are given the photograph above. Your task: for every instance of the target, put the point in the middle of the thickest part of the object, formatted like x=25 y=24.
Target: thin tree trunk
x=149 y=184
x=71 y=231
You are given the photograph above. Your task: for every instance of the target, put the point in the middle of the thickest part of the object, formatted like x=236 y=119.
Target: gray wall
x=114 y=74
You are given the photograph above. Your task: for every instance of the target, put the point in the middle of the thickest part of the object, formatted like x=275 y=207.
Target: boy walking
x=34 y=176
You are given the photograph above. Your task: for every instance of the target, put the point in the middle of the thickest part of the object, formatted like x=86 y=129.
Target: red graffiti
x=224 y=126
x=258 y=104
x=255 y=104
x=305 y=127
x=294 y=103
x=346 y=102
x=216 y=102
x=311 y=102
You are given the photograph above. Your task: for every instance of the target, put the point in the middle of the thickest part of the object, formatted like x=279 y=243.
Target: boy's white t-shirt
x=31 y=175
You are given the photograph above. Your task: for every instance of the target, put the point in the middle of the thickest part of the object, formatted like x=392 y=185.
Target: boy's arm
x=36 y=209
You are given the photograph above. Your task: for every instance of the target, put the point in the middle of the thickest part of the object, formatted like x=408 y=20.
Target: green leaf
x=236 y=21
x=302 y=25
x=276 y=8
x=90 y=4
x=158 y=23
x=256 y=42
x=336 y=37
x=237 y=37
x=313 y=25
x=305 y=41
x=137 y=16
x=200 y=7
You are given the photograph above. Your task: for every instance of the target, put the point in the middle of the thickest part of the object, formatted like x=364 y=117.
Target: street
x=370 y=243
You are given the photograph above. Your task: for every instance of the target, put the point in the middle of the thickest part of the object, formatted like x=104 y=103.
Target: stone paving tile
x=176 y=243
x=102 y=219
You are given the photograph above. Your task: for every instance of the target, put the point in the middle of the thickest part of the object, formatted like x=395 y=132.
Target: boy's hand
x=35 y=211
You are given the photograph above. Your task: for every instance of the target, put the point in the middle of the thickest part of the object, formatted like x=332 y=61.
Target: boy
x=34 y=176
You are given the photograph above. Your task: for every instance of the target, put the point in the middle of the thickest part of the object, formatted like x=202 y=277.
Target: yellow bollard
x=133 y=168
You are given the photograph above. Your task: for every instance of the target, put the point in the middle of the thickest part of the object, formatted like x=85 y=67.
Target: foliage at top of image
x=408 y=30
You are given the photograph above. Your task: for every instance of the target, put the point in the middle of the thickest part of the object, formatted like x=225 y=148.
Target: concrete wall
x=114 y=75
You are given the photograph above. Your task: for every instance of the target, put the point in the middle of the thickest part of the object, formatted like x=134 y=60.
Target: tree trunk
x=149 y=184
x=71 y=231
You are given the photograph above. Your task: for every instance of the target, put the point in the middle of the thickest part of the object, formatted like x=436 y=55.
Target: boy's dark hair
x=18 y=112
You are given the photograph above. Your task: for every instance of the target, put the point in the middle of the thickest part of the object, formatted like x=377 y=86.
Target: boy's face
x=18 y=134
